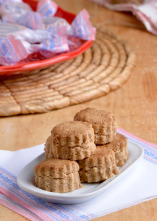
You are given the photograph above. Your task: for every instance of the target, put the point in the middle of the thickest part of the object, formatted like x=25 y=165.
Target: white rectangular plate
x=25 y=180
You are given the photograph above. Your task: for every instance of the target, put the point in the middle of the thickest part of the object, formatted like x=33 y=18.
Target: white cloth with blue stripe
x=136 y=187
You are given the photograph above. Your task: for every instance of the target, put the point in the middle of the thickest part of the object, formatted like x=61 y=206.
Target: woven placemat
x=96 y=72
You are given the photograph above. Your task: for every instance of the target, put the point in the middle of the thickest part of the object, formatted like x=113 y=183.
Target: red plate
x=38 y=63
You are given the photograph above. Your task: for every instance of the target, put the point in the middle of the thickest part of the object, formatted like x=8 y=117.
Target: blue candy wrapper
x=47 y=8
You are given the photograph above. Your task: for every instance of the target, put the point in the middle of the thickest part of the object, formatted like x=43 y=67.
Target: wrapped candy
x=57 y=43
x=47 y=8
x=33 y=21
x=9 y=1
x=22 y=33
x=11 y=50
x=39 y=31
x=2 y=1
x=14 y=8
x=17 y=40
x=6 y=29
x=56 y=22
x=82 y=28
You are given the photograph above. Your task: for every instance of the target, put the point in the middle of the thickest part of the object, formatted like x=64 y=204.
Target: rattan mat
x=98 y=71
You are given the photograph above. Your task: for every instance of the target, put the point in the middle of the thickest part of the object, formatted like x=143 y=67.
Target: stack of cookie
x=87 y=149
x=68 y=142
x=111 y=147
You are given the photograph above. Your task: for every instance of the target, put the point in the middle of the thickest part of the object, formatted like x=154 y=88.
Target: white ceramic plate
x=25 y=180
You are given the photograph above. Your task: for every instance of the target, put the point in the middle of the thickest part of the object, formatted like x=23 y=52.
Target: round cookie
x=120 y=146
x=98 y=167
x=73 y=140
x=104 y=124
x=56 y=175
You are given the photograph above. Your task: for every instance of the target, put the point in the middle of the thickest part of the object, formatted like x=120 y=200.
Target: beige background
x=134 y=104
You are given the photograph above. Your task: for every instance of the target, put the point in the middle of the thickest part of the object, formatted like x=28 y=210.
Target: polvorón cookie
x=57 y=175
x=98 y=167
x=104 y=124
x=120 y=147
x=72 y=140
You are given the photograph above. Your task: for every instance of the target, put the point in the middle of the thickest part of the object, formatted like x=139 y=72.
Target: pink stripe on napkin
x=137 y=138
x=44 y=210
x=17 y=208
x=35 y=209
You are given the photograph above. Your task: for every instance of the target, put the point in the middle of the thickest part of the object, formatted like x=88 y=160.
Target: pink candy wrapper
x=47 y=8
x=82 y=28
x=146 y=12
x=15 y=50
x=39 y=31
x=57 y=43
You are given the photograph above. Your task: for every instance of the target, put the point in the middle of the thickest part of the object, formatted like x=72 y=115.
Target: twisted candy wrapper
x=11 y=7
x=15 y=50
x=56 y=22
x=2 y=1
x=22 y=14
x=39 y=31
x=50 y=40
x=47 y=8
x=33 y=21
x=82 y=28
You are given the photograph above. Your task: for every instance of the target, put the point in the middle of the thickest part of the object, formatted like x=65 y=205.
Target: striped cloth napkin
x=146 y=12
x=136 y=187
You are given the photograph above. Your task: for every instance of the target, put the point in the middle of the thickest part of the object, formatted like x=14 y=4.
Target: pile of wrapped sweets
x=24 y=31
x=85 y=150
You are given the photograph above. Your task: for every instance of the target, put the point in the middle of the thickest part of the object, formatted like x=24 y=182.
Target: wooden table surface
x=134 y=104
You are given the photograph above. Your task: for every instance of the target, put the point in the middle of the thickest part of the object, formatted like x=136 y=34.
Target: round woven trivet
x=96 y=72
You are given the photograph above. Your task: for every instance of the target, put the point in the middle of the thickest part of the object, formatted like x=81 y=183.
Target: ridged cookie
x=120 y=146
x=57 y=175
x=98 y=167
x=104 y=124
x=73 y=140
